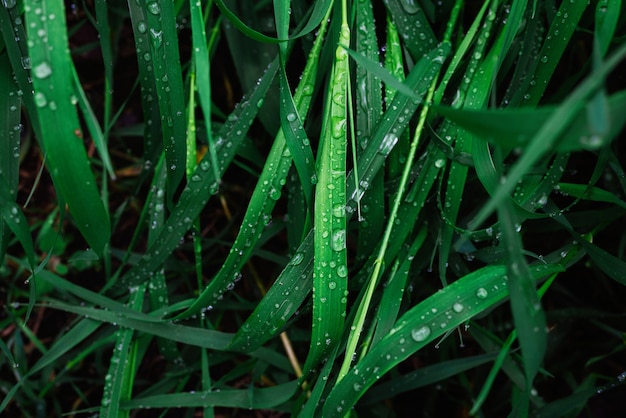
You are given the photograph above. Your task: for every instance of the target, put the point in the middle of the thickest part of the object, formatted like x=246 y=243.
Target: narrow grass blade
x=528 y=315
x=202 y=185
x=369 y=108
x=606 y=17
x=13 y=217
x=202 y=71
x=423 y=377
x=422 y=324
x=561 y=30
x=250 y=398
x=161 y=26
x=330 y=268
x=119 y=378
x=10 y=117
x=93 y=126
x=389 y=305
x=66 y=157
x=512 y=128
x=415 y=30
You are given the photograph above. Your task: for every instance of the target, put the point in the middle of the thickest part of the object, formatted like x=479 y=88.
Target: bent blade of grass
x=66 y=158
x=320 y=11
x=548 y=135
x=422 y=324
x=330 y=269
x=202 y=185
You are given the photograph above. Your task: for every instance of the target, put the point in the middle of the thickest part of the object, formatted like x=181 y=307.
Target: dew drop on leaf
x=421 y=333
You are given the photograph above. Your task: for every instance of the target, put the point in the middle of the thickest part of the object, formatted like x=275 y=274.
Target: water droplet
x=440 y=163
x=297 y=259
x=389 y=141
x=458 y=307
x=420 y=334
x=9 y=3
x=481 y=293
x=332 y=285
x=196 y=177
x=291 y=117
x=26 y=63
x=154 y=8
x=141 y=27
x=42 y=70
x=342 y=271
x=339 y=240
x=409 y=6
x=40 y=99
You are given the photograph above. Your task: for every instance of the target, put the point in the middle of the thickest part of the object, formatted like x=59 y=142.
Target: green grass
x=318 y=209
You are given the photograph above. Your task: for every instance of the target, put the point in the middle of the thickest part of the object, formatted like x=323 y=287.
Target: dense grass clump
x=312 y=208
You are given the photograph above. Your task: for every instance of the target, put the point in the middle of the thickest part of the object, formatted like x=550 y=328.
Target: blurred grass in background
x=327 y=208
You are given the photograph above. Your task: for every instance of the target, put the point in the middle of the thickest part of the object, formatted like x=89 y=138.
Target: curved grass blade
x=66 y=157
x=548 y=135
x=422 y=324
x=202 y=184
x=13 y=217
x=320 y=10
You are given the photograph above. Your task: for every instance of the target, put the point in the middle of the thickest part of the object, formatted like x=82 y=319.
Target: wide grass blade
x=66 y=158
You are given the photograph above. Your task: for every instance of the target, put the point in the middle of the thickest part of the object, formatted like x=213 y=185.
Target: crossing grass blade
x=66 y=158
x=422 y=324
x=265 y=195
x=202 y=184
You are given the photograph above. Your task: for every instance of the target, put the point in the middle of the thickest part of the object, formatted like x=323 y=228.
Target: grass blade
x=67 y=161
